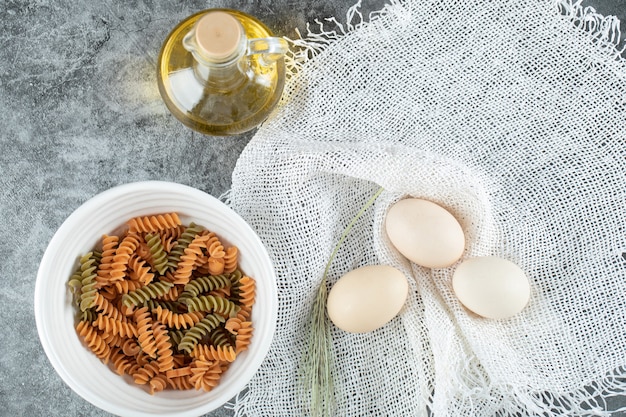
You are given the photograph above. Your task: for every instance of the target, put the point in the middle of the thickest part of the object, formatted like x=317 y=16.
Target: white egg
x=425 y=233
x=491 y=287
x=367 y=298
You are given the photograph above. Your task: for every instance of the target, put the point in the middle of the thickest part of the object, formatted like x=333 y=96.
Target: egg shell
x=491 y=287
x=367 y=298
x=425 y=233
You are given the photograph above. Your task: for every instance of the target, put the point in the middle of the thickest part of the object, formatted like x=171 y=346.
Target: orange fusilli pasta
x=247 y=291
x=109 y=246
x=177 y=320
x=187 y=260
x=115 y=326
x=145 y=336
x=163 y=346
x=94 y=340
x=119 y=264
x=205 y=375
x=150 y=224
x=214 y=246
x=215 y=266
x=139 y=271
x=231 y=259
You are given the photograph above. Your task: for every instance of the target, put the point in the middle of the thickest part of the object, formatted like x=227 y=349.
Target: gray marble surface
x=80 y=113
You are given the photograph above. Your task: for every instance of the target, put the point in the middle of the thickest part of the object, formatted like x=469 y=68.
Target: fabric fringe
x=590 y=400
x=603 y=30
x=327 y=32
x=225 y=197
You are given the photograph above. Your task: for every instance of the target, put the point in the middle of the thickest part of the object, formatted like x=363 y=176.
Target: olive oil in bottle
x=221 y=72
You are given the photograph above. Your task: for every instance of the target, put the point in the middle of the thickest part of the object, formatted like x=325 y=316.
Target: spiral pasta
x=172 y=295
x=75 y=285
x=151 y=224
x=109 y=247
x=177 y=320
x=164 y=303
x=185 y=266
x=176 y=336
x=88 y=266
x=126 y=286
x=130 y=347
x=153 y=304
x=178 y=372
x=215 y=266
x=243 y=336
x=211 y=303
x=235 y=276
x=221 y=292
x=158 y=383
x=213 y=353
x=139 y=271
x=157 y=253
x=102 y=304
x=180 y=382
x=94 y=340
x=205 y=284
x=205 y=375
x=221 y=338
x=87 y=315
x=163 y=347
x=214 y=246
x=185 y=239
x=121 y=362
x=146 y=372
x=114 y=340
x=204 y=327
x=231 y=259
x=143 y=294
x=145 y=336
x=127 y=246
x=247 y=291
x=115 y=326
x=168 y=242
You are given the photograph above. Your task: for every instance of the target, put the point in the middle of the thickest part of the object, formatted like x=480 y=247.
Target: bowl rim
x=261 y=350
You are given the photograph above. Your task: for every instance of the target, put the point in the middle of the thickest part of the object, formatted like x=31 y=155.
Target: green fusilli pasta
x=235 y=283
x=173 y=257
x=88 y=266
x=235 y=276
x=210 y=303
x=76 y=284
x=143 y=294
x=170 y=305
x=88 y=315
x=175 y=336
x=221 y=337
x=159 y=257
x=204 y=284
x=203 y=328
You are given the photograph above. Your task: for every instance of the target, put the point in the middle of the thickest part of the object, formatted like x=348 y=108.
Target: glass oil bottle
x=221 y=72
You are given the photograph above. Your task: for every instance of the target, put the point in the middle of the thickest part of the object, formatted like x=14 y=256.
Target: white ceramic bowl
x=55 y=315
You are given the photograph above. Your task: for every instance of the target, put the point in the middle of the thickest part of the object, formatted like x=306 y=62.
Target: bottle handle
x=270 y=49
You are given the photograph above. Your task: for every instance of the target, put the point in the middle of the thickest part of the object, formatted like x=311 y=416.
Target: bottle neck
x=222 y=76
x=219 y=47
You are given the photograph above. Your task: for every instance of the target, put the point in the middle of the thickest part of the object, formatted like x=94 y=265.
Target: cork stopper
x=218 y=35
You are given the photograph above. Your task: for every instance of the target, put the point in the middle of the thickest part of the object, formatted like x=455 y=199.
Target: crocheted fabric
x=511 y=115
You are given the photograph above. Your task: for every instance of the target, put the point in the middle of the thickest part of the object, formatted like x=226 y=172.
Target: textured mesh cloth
x=510 y=114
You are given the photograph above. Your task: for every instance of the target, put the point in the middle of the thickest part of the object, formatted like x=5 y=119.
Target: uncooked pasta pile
x=511 y=115
x=164 y=303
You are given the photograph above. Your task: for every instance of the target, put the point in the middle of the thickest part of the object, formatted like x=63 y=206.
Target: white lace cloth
x=512 y=115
